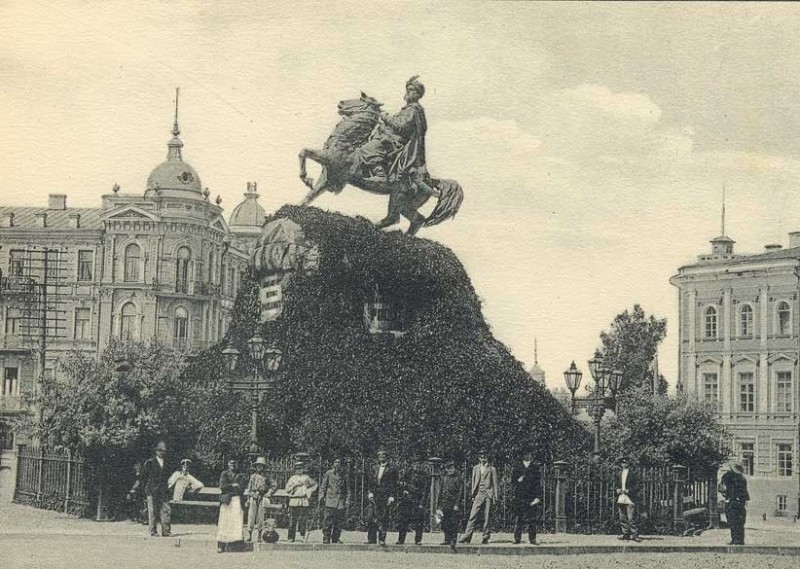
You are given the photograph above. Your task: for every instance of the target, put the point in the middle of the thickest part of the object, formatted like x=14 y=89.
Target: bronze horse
x=342 y=164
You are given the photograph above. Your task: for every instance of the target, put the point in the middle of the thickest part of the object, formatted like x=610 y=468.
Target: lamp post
x=604 y=378
x=266 y=362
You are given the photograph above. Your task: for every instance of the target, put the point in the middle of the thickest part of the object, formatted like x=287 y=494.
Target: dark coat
x=154 y=479
x=387 y=487
x=451 y=493
x=734 y=487
x=530 y=488
x=631 y=484
x=227 y=480
x=334 y=492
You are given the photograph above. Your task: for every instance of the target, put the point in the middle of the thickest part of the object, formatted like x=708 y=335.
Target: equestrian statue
x=383 y=154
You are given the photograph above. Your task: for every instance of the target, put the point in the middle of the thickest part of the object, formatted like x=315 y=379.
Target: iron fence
x=52 y=480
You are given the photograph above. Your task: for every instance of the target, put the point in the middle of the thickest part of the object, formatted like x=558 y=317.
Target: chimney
x=41 y=219
x=8 y=219
x=74 y=220
x=772 y=247
x=794 y=239
x=57 y=201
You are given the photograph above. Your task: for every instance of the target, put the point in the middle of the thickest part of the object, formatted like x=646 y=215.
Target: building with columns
x=739 y=341
x=162 y=264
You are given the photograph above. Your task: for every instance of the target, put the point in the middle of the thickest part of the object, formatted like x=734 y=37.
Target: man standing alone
x=485 y=492
x=154 y=480
x=734 y=489
x=627 y=490
x=334 y=496
x=527 y=496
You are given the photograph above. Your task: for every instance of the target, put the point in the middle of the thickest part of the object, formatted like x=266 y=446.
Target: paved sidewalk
x=774 y=537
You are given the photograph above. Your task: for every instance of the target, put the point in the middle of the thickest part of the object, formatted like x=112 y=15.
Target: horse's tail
x=450 y=198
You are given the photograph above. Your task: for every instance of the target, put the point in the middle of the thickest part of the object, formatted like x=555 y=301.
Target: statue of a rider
x=396 y=150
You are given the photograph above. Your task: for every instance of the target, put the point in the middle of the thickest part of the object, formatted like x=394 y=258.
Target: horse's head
x=365 y=104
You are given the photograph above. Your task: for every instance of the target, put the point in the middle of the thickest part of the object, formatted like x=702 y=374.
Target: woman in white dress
x=229 y=527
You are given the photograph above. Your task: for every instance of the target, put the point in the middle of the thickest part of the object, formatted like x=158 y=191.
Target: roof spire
x=174 y=146
x=723 y=208
x=535 y=350
x=175 y=130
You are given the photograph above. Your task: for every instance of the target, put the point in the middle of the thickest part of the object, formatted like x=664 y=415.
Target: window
x=746 y=321
x=783 y=392
x=710 y=388
x=785 y=459
x=210 y=273
x=181 y=329
x=781 y=503
x=747 y=391
x=133 y=256
x=224 y=278
x=748 y=454
x=784 y=319
x=13 y=322
x=182 y=270
x=128 y=322
x=82 y=320
x=11 y=381
x=85 y=265
x=711 y=322
x=16 y=263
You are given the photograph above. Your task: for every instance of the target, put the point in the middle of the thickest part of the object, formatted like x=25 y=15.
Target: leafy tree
x=654 y=429
x=630 y=346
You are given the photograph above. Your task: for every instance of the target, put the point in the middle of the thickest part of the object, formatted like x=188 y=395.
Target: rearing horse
x=342 y=164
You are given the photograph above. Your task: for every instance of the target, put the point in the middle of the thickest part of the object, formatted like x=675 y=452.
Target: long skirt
x=229 y=526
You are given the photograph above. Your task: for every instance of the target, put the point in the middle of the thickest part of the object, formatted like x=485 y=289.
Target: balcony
x=10 y=404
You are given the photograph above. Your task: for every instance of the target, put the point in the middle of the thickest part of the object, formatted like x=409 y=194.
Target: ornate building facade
x=739 y=341
x=159 y=265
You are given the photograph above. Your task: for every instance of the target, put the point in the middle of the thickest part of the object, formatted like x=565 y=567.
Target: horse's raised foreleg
x=317 y=156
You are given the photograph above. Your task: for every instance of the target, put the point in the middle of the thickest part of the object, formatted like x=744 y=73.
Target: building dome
x=174 y=176
x=248 y=216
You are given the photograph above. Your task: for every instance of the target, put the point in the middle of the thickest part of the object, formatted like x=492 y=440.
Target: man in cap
x=734 y=490
x=451 y=495
x=334 y=496
x=485 y=493
x=382 y=489
x=258 y=488
x=527 y=496
x=401 y=138
x=154 y=481
x=627 y=494
x=413 y=502
x=182 y=481
x=300 y=488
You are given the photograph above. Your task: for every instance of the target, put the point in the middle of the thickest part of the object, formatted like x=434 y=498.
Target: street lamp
x=604 y=378
x=266 y=363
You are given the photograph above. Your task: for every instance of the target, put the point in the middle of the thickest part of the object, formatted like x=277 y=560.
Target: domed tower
x=248 y=217
x=536 y=372
x=174 y=177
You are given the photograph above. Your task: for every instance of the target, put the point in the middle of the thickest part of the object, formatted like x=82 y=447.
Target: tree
x=630 y=346
x=655 y=429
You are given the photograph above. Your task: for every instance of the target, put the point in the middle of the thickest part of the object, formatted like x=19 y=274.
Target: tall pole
x=254 y=413
x=598 y=415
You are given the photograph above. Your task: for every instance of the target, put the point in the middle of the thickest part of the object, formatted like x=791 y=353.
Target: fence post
x=561 y=495
x=713 y=506
x=436 y=487
x=69 y=481
x=678 y=480
x=39 y=477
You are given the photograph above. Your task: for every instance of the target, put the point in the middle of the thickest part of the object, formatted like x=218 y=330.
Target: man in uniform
x=413 y=503
x=401 y=138
x=734 y=490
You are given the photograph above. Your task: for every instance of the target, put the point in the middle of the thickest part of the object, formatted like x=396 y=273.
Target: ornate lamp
x=231 y=356
x=256 y=346
x=572 y=377
x=614 y=382
x=596 y=364
x=272 y=358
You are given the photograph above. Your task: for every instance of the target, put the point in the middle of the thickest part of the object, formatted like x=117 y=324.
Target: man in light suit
x=485 y=492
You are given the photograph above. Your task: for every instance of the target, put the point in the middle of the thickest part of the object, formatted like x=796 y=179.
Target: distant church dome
x=248 y=217
x=536 y=372
x=174 y=177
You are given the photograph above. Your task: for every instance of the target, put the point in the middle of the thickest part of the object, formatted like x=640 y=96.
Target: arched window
x=133 y=257
x=128 y=322
x=184 y=256
x=784 y=319
x=181 y=329
x=746 y=321
x=711 y=322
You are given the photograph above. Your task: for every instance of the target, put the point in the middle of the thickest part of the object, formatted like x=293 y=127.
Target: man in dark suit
x=527 y=497
x=451 y=496
x=154 y=480
x=485 y=493
x=734 y=490
x=382 y=489
x=627 y=494
x=413 y=502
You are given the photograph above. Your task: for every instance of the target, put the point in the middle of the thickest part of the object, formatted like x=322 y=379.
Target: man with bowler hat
x=734 y=490
x=451 y=496
x=527 y=496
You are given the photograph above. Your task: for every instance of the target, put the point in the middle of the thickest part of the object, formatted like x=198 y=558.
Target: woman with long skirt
x=229 y=526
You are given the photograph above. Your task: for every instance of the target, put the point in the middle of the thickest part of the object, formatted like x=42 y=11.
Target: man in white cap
x=181 y=481
x=300 y=488
x=258 y=489
x=734 y=490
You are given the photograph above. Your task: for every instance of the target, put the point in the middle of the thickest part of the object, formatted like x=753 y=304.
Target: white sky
x=592 y=141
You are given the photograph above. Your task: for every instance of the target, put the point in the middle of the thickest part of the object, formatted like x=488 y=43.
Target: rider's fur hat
x=417 y=85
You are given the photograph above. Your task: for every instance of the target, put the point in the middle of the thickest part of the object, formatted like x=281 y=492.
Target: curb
x=503 y=550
